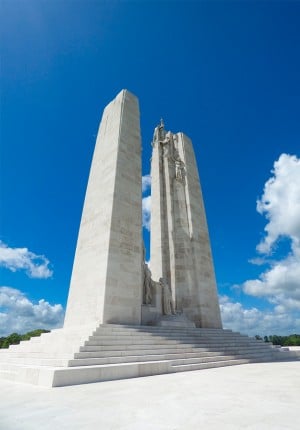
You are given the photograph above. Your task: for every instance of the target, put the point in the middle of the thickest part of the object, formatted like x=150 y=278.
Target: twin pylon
x=109 y=274
x=121 y=320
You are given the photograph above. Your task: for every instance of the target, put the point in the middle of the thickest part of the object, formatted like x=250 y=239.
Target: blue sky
x=225 y=73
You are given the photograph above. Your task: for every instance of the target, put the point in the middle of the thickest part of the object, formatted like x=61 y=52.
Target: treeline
x=15 y=338
x=291 y=340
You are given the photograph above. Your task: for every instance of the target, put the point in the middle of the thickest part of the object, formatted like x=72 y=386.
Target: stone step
x=41 y=355
x=174 y=359
x=55 y=376
x=117 y=352
x=55 y=337
x=46 y=354
x=54 y=344
x=131 y=341
x=51 y=349
x=171 y=335
x=124 y=352
x=154 y=337
x=134 y=347
x=169 y=353
x=131 y=358
x=157 y=329
x=39 y=361
x=114 y=346
x=243 y=350
x=164 y=357
x=213 y=364
x=196 y=360
x=189 y=340
x=179 y=358
x=93 y=340
x=147 y=343
x=166 y=351
x=98 y=351
x=183 y=357
x=196 y=332
x=167 y=346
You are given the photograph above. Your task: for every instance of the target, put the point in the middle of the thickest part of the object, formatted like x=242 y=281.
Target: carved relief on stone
x=159 y=133
x=147 y=286
x=168 y=146
x=179 y=171
x=155 y=135
x=168 y=307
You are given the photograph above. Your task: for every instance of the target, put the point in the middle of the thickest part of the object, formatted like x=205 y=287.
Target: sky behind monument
x=225 y=73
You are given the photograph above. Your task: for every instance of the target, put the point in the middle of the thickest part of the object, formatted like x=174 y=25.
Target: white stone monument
x=110 y=281
x=123 y=321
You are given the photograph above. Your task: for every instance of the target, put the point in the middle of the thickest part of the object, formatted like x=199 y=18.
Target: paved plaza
x=252 y=396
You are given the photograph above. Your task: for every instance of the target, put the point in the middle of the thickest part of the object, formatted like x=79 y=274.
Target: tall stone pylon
x=106 y=277
x=180 y=247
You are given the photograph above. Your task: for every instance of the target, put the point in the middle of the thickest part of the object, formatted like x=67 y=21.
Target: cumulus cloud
x=146 y=183
x=146 y=202
x=146 y=211
x=19 y=314
x=280 y=204
x=253 y=321
x=279 y=283
x=35 y=266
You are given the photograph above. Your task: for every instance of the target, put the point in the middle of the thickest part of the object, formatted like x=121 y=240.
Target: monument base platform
x=69 y=357
x=178 y=320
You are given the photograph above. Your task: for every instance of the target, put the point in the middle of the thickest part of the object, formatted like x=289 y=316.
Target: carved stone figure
x=159 y=132
x=156 y=135
x=179 y=171
x=166 y=147
x=147 y=295
x=167 y=299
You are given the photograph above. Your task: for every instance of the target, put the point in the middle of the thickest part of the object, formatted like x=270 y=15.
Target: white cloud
x=253 y=321
x=36 y=266
x=279 y=283
x=146 y=211
x=19 y=314
x=146 y=183
x=280 y=203
x=146 y=202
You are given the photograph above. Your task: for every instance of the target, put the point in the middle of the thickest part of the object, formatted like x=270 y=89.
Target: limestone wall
x=106 y=278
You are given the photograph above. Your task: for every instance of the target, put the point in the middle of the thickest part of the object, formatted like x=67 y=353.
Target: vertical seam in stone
x=186 y=187
x=114 y=191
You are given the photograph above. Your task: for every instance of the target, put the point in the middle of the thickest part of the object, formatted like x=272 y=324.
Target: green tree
x=2 y=339
x=34 y=333
x=292 y=340
x=15 y=338
x=12 y=339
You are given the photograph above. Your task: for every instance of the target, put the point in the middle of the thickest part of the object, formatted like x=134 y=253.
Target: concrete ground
x=251 y=396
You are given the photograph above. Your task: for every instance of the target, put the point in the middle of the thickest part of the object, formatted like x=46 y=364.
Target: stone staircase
x=65 y=357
